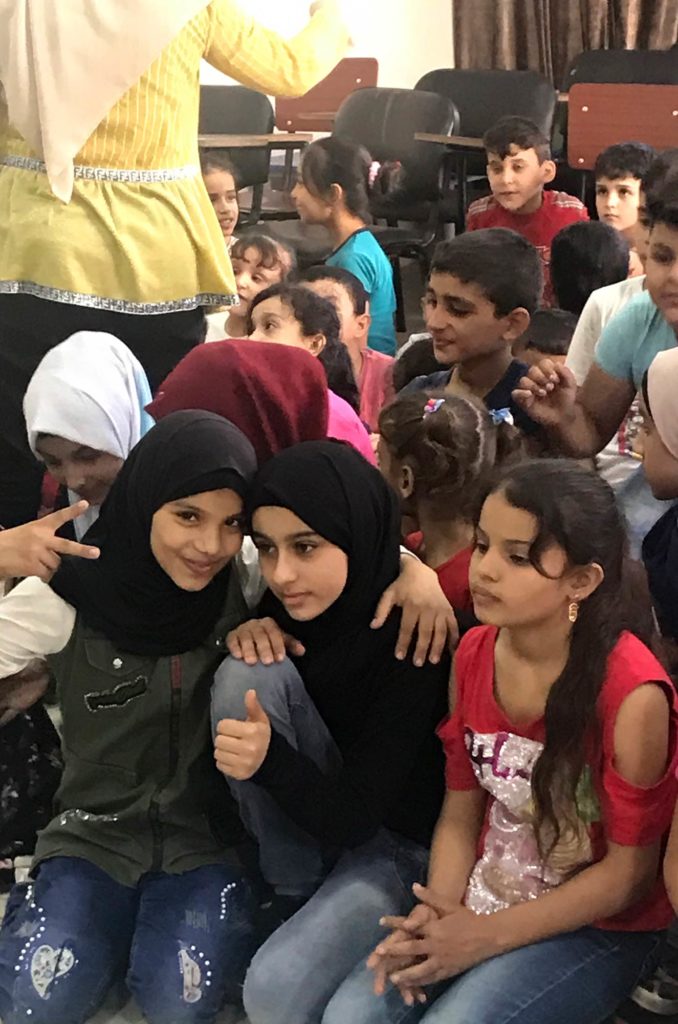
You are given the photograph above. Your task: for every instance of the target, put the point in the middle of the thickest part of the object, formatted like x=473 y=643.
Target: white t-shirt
x=614 y=462
x=34 y=622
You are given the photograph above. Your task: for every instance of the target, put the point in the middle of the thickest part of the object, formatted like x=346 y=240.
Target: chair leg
x=289 y=169
x=400 y=299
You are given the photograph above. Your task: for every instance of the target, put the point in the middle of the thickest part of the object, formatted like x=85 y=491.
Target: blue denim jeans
x=578 y=977
x=291 y=861
x=182 y=943
x=295 y=974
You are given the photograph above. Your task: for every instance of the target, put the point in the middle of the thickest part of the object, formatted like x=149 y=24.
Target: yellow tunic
x=140 y=234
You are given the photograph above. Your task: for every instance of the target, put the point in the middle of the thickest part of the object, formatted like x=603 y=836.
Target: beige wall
x=408 y=37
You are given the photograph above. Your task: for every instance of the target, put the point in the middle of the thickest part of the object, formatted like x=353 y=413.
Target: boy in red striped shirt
x=519 y=165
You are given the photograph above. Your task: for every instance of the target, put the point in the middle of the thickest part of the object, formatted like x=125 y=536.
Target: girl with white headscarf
x=105 y=223
x=84 y=410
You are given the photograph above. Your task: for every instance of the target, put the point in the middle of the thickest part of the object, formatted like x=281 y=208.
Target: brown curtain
x=546 y=35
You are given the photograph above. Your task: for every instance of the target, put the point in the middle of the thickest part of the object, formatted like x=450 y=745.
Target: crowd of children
x=364 y=659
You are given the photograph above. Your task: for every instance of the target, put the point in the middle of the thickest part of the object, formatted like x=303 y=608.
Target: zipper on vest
x=175 y=714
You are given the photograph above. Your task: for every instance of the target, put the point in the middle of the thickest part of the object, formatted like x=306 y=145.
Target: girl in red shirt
x=438 y=452
x=545 y=900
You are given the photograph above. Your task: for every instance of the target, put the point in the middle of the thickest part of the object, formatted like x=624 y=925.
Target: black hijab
x=125 y=594
x=344 y=499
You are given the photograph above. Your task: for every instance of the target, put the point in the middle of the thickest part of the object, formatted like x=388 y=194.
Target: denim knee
x=265 y=983
x=273 y=684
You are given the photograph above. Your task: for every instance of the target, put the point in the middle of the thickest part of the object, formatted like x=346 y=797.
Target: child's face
x=463 y=322
x=273 y=321
x=517 y=181
x=662 y=271
x=252 y=277
x=354 y=327
x=311 y=209
x=661 y=468
x=194 y=538
x=224 y=196
x=617 y=201
x=638 y=234
x=506 y=588
x=304 y=570
x=85 y=471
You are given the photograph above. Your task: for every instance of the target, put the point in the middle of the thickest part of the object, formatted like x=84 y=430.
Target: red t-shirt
x=453 y=574
x=557 y=210
x=483 y=748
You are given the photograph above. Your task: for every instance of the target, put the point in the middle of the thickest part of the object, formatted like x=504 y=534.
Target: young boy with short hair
x=618 y=172
x=372 y=370
x=519 y=165
x=582 y=420
x=482 y=291
x=548 y=337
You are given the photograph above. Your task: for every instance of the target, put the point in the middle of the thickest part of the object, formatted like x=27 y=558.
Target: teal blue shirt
x=632 y=339
x=364 y=257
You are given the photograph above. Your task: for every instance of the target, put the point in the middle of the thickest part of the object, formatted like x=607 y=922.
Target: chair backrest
x=603 y=113
x=483 y=96
x=315 y=112
x=652 y=67
x=235 y=110
x=384 y=121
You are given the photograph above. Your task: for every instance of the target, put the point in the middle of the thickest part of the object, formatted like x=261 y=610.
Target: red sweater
x=483 y=748
x=557 y=210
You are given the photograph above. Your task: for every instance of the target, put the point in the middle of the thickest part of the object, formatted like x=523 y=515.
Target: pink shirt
x=376 y=386
x=343 y=424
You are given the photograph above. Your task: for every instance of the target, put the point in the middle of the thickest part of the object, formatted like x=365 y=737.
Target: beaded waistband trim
x=42 y=291
x=85 y=173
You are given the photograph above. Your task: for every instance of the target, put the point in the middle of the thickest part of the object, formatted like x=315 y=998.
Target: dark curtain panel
x=546 y=35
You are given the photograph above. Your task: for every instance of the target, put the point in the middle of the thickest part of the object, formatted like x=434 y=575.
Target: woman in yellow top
x=105 y=223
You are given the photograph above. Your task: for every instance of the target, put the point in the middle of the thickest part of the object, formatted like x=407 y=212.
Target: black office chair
x=235 y=110
x=385 y=121
x=648 y=67
x=483 y=96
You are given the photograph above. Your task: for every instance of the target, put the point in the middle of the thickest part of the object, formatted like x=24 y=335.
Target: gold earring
x=573 y=612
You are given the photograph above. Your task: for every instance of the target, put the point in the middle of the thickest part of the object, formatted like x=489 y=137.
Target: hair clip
x=432 y=405
x=501 y=416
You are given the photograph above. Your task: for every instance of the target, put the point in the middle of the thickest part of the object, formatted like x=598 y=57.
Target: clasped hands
x=439 y=939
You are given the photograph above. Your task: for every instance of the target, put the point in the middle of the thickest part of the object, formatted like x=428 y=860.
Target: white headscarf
x=65 y=63
x=662 y=384
x=90 y=390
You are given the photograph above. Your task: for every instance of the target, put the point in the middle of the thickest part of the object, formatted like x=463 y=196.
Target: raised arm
x=579 y=424
x=262 y=59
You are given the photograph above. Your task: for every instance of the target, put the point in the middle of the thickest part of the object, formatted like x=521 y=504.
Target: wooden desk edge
x=456 y=141
x=225 y=140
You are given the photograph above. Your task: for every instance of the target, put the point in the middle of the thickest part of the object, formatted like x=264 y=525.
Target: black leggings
x=30 y=327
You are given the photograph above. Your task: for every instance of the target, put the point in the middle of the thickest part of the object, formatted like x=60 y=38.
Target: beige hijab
x=65 y=63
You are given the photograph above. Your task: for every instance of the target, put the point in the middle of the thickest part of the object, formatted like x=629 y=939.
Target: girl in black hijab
x=336 y=765
x=129 y=880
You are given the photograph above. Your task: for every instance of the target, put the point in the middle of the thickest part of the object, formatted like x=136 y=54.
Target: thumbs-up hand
x=241 y=747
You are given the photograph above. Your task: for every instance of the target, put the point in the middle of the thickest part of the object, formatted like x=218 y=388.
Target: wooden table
x=461 y=146
x=454 y=142
x=276 y=140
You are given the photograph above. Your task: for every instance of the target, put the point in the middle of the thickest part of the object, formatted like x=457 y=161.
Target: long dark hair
x=336 y=161
x=576 y=510
x=317 y=315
